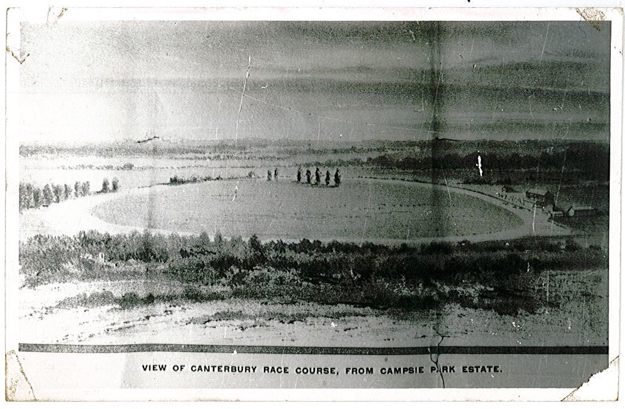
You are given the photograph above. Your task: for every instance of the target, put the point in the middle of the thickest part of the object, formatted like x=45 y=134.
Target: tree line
x=593 y=160
x=33 y=197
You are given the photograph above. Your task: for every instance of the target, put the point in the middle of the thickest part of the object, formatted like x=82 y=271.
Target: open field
x=356 y=210
x=505 y=222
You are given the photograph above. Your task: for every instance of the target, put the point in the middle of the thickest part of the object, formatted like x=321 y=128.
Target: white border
x=319 y=10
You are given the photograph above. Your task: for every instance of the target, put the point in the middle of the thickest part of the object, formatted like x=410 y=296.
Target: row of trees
x=32 y=197
x=317 y=181
x=181 y=180
x=110 y=187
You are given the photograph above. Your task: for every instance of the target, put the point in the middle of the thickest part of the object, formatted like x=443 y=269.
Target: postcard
x=313 y=204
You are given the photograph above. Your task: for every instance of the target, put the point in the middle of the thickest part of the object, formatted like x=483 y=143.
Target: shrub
x=105 y=186
x=129 y=300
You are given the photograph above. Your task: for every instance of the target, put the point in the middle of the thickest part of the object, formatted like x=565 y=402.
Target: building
x=540 y=197
x=581 y=211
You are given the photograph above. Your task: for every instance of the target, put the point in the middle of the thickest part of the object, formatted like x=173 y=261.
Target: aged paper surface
x=259 y=204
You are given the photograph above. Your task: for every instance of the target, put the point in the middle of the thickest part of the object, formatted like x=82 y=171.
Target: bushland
x=503 y=276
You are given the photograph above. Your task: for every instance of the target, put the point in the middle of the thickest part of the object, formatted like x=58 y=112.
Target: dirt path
x=73 y=216
x=258 y=322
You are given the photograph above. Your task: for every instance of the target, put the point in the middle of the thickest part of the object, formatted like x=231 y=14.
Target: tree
x=58 y=193
x=308 y=176
x=337 y=178
x=318 y=176
x=78 y=189
x=25 y=195
x=67 y=192
x=204 y=240
x=328 y=178
x=37 y=197
x=275 y=175
x=30 y=191
x=105 y=186
x=258 y=250
x=299 y=174
x=47 y=195
x=219 y=239
x=86 y=188
x=115 y=184
x=269 y=175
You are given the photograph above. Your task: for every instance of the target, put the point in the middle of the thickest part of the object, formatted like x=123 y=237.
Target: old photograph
x=322 y=204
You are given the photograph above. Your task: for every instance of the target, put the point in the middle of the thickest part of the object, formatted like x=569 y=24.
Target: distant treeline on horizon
x=289 y=146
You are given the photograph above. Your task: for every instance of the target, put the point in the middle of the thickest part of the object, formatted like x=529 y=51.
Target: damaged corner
x=17 y=388
x=602 y=386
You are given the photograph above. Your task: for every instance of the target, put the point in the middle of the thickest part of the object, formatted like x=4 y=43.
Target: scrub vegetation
x=506 y=277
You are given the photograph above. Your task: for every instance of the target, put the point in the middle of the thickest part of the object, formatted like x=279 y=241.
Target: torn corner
x=602 y=386
x=593 y=16
x=17 y=386
x=55 y=14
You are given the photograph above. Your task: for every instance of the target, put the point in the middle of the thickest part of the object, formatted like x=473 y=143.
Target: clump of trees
x=179 y=180
x=317 y=179
x=273 y=175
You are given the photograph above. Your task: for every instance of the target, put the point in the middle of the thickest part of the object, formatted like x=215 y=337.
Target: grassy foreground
x=505 y=277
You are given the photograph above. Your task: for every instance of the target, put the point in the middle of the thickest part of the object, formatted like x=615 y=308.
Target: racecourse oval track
x=360 y=209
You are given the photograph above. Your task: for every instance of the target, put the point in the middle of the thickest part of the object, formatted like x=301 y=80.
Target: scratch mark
x=545 y=43
x=21 y=61
x=63 y=10
x=548 y=281
x=579 y=27
x=247 y=75
x=318 y=130
x=448 y=192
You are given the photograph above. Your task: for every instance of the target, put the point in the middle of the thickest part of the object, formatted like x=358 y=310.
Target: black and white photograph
x=393 y=203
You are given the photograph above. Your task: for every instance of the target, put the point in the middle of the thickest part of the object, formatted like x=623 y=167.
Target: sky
x=107 y=81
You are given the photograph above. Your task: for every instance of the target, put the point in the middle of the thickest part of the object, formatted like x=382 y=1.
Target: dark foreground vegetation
x=504 y=277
